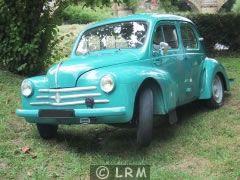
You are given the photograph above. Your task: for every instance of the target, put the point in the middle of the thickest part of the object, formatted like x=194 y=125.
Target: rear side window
x=188 y=37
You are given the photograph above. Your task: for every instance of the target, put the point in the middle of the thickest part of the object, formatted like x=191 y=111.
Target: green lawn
x=203 y=144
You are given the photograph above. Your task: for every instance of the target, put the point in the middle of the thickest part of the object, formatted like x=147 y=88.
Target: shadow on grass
x=122 y=141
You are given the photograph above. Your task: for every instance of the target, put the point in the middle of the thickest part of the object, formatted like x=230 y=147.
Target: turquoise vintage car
x=125 y=70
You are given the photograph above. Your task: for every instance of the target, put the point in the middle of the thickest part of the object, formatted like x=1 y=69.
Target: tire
x=47 y=131
x=145 y=118
x=217 y=98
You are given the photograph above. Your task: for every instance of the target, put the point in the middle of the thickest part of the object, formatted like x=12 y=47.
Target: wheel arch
x=220 y=74
x=158 y=101
x=211 y=69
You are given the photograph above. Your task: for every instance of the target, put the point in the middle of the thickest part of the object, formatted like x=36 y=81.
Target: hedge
x=78 y=14
x=218 y=28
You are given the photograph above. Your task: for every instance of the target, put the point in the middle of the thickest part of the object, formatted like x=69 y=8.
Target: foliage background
x=236 y=7
x=30 y=39
x=203 y=144
x=28 y=30
x=218 y=28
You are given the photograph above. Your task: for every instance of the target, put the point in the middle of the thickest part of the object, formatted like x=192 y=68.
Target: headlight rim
x=113 y=81
x=29 y=84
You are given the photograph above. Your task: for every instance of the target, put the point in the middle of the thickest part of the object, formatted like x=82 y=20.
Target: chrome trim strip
x=68 y=89
x=56 y=74
x=69 y=96
x=68 y=103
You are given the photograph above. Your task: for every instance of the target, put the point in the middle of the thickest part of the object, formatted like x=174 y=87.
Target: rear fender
x=212 y=67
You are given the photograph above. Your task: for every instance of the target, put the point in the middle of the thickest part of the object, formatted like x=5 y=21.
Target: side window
x=170 y=36
x=158 y=37
x=165 y=33
x=188 y=37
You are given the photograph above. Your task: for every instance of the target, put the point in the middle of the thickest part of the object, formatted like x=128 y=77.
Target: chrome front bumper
x=79 y=113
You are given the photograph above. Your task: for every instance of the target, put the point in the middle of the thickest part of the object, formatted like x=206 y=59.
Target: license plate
x=68 y=113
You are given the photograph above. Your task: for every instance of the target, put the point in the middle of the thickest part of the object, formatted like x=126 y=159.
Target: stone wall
x=200 y=6
x=208 y=6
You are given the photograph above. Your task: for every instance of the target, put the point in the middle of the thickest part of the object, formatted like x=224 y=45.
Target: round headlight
x=107 y=83
x=26 y=88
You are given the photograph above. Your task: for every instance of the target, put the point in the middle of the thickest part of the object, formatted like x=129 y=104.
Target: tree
x=28 y=32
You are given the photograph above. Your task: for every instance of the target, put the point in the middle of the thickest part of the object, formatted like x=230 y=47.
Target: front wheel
x=217 y=98
x=145 y=118
x=47 y=131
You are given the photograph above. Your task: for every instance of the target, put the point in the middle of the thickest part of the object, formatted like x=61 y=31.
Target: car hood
x=66 y=73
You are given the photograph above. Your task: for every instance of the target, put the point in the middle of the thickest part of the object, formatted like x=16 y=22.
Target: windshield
x=120 y=35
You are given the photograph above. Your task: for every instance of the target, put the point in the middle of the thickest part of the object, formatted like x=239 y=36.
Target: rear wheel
x=216 y=100
x=145 y=118
x=47 y=131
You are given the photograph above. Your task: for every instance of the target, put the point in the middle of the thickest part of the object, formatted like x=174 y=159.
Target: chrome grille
x=67 y=96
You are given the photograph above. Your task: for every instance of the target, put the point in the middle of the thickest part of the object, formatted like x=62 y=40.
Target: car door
x=171 y=62
x=193 y=60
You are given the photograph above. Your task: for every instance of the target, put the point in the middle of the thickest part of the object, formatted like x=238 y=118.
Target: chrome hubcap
x=217 y=90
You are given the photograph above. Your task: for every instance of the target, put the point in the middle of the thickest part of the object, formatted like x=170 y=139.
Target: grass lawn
x=204 y=143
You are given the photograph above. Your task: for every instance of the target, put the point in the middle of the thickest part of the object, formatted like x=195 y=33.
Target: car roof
x=141 y=17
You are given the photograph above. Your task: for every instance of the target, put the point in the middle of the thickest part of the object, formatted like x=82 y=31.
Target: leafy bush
x=79 y=14
x=27 y=34
x=219 y=28
x=236 y=7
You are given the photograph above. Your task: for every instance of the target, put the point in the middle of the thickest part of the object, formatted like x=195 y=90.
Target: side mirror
x=164 y=47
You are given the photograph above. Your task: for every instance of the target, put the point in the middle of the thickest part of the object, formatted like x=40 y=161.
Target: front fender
x=212 y=67
x=167 y=91
x=131 y=76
